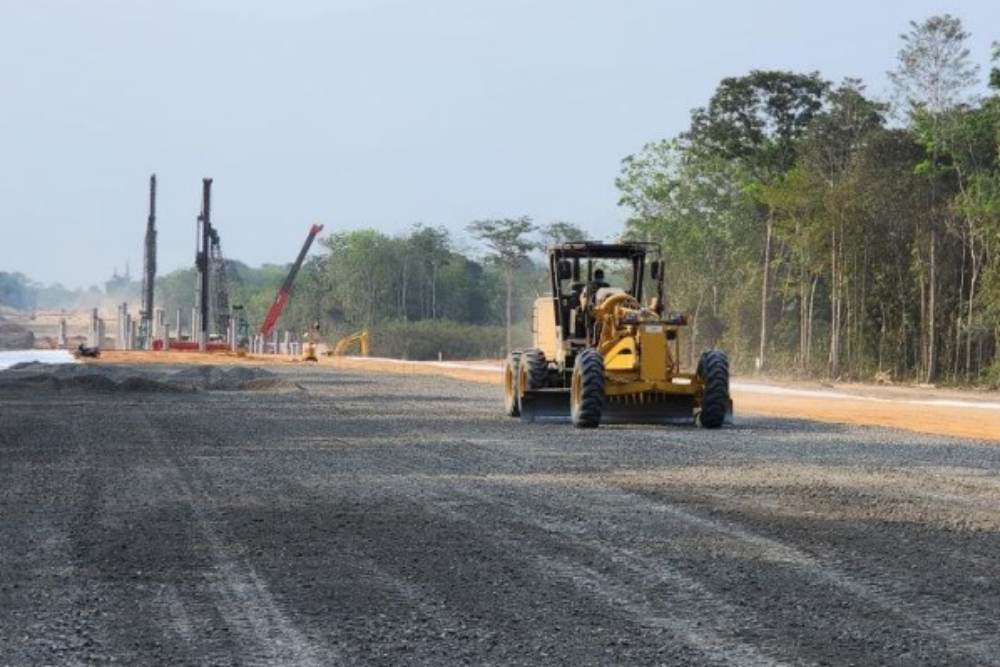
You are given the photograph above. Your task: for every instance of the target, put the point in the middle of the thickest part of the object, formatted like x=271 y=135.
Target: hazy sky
x=371 y=113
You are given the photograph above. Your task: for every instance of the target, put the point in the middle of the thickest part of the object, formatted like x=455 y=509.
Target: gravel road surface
x=387 y=519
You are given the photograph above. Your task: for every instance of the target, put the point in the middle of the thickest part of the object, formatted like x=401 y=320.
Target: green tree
x=16 y=291
x=432 y=247
x=694 y=207
x=560 y=232
x=757 y=120
x=507 y=239
x=828 y=153
x=933 y=76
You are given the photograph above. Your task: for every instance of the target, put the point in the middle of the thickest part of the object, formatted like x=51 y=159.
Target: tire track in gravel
x=266 y=634
x=694 y=616
x=963 y=631
x=549 y=563
x=957 y=629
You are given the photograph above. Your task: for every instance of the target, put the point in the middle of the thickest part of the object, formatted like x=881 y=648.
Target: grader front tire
x=587 y=389
x=713 y=368
x=511 y=369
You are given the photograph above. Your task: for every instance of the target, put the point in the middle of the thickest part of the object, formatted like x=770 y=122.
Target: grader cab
x=605 y=351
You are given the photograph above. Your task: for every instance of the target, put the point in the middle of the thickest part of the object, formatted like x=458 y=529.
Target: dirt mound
x=15 y=337
x=97 y=377
x=219 y=378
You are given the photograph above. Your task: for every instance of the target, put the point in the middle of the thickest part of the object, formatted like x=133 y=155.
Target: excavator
x=344 y=344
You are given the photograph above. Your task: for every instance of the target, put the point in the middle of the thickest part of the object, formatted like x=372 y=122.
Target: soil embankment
x=13 y=336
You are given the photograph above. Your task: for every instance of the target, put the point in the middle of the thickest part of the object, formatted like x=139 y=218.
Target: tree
x=995 y=70
x=757 y=120
x=933 y=72
x=828 y=151
x=16 y=291
x=933 y=76
x=694 y=208
x=797 y=203
x=362 y=270
x=506 y=238
x=561 y=232
x=432 y=244
x=885 y=242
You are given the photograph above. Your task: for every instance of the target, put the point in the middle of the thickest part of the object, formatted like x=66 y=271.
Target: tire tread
x=591 y=367
x=713 y=368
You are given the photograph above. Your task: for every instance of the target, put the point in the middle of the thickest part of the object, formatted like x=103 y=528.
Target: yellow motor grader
x=602 y=354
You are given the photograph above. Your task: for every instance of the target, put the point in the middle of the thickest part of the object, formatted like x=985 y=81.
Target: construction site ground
x=962 y=413
x=349 y=516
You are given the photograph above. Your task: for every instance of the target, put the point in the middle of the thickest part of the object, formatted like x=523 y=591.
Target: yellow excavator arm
x=361 y=337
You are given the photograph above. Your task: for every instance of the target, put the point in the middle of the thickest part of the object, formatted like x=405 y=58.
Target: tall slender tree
x=508 y=240
x=934 y=74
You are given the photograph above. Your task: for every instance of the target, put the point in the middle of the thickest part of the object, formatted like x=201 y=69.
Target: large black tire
x=534 y=369
x=713 y=369
x=587 y=389
x=511 y=369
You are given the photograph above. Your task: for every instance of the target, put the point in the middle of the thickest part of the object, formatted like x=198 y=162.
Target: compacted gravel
x=338 y=517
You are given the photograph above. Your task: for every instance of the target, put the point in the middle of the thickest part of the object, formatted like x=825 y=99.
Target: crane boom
x=286 y=288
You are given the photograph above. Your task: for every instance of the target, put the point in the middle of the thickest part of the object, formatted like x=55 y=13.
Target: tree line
x=812 y=228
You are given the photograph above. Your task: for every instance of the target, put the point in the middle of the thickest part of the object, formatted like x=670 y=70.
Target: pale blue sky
x=370 y=112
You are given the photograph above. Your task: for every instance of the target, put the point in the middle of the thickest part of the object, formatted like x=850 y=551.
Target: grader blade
x=545 y=405
x=648 y=410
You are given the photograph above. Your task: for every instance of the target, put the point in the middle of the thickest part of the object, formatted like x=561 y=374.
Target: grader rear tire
x=511 y=404
x=587 y=389
x=713 y=368
x=534 y=369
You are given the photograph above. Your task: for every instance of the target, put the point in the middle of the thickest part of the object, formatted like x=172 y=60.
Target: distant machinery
x=212 y=312
x=219 y=280
x=281 y=299
x=345 y=343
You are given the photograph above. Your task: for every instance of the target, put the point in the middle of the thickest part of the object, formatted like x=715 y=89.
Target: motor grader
x=602 y=354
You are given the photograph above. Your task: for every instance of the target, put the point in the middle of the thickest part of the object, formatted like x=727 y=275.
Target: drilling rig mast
x=202 y=261
x=148 y=271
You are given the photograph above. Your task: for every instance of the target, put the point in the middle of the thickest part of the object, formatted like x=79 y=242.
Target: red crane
x=286 y=288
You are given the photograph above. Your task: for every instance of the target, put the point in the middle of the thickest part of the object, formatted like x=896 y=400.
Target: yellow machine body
x=641 y=352
x=344 y=344
x=636 y=346
x=606 y=350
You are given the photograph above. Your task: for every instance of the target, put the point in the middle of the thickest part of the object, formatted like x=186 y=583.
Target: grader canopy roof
x=599 y=250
